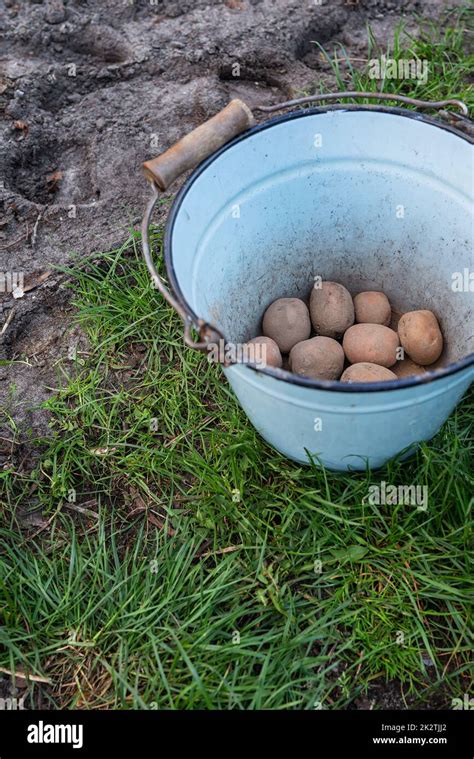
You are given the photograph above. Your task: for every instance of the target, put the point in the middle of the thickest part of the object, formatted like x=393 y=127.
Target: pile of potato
x=355 y=339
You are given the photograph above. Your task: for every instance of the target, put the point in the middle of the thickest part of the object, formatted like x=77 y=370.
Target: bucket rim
x=282 y=374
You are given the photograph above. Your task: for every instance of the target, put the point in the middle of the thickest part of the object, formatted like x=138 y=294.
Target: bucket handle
x=163 y=170
x=428 y=104
x=207 y=333
x=235 y=118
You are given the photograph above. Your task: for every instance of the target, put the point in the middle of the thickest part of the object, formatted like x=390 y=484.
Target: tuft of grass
x=446 y=48
x=182 y=563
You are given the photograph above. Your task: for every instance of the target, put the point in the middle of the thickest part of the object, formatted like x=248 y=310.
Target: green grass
x=183 y=563
x=446 y=48
x=195 y=585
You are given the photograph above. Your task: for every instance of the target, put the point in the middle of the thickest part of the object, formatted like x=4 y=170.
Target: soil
x=89 y=90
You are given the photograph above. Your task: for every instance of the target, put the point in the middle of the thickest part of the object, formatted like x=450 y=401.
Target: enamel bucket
x=373 y=197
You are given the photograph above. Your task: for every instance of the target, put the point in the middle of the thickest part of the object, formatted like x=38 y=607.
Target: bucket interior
x=371 y=199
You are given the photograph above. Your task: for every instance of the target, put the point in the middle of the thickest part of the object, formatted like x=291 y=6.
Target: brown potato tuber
x=372 y=343
x=407 y=368
x=266 y=353
x=287 y=322
x=367 y=372
x=372 y=308
x=318 y=358
x=332 y=309
x=421 y=336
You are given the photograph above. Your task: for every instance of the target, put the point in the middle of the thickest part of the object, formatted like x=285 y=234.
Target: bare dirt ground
x=90 y=90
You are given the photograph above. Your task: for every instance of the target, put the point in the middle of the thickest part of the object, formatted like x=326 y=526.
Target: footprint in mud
x=101 y=42
x=67 y=84
x=50 y=173
x=93 y=57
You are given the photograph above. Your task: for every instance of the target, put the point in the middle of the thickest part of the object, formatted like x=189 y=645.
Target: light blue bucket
x=374 y=198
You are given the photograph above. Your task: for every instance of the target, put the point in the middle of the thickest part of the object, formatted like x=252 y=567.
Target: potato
x=372 y=343
x=332 y=309
x=287 y=322
x=318 y=358
x=367 y=372
x=266 y=353
x=407 y=368
x=372 y=308
x=421 y=336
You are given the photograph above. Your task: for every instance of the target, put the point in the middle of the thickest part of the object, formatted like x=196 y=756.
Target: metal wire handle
x=207 y=333
x=436 y=104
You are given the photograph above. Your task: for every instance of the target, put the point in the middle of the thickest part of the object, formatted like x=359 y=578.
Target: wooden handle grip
x=198 y=144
